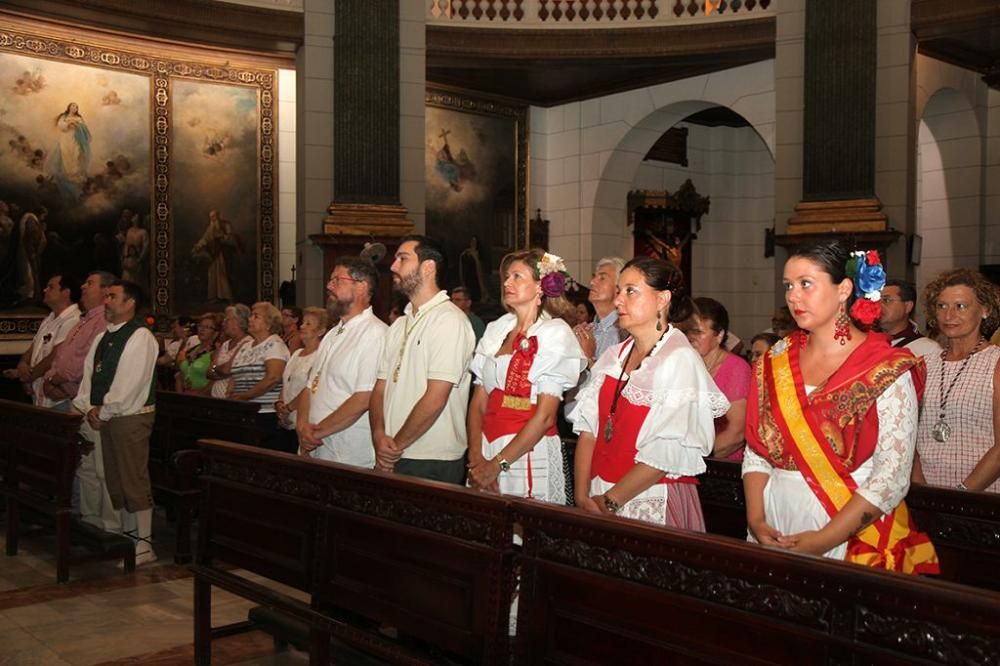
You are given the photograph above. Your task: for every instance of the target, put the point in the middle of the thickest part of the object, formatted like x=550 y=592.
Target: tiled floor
x=103 y=616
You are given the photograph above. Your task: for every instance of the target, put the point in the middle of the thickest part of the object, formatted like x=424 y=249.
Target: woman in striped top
x=257 y=369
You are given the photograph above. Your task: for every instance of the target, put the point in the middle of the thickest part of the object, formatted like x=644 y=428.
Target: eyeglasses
x=889 y=300
x=337 y=278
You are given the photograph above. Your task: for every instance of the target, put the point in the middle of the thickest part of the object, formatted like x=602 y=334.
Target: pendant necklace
x=609 y=427
x=941 y=430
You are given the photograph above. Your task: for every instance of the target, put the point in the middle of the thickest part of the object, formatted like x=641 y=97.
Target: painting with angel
x=74 y=142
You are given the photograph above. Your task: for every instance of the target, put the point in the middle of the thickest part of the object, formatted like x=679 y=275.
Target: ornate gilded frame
x=162 y=66
x=458 y=100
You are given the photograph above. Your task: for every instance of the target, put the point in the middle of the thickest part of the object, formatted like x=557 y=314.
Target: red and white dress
x=547 y=360
x=664 y=419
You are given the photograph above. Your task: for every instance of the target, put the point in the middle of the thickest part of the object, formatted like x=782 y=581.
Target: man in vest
x=117 y=397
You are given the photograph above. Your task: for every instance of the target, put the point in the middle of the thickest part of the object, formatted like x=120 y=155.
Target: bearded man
x=331 y=414
x=421 y=398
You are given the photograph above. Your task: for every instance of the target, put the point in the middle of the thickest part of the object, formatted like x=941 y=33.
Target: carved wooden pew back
x=605 y=591
x=430 y=560
x=39 y=454
x=964 y=526
x=181 y=420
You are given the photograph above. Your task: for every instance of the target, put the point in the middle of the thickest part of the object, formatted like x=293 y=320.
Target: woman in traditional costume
x=646 y=417
x=956 y=438
x=523 y=364
x=832 y=421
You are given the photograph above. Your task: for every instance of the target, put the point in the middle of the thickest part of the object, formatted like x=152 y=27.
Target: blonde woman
x=522 y=366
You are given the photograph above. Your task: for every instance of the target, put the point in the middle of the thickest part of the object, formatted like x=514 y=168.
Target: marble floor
x=103 y=616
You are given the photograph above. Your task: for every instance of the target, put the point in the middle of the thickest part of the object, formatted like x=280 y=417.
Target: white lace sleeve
x=893 y=457
x=754 y=463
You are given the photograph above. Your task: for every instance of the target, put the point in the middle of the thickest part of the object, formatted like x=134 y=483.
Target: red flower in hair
x=865 y=311
x=872 y=257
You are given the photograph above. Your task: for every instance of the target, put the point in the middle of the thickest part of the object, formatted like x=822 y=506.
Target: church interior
x=216 y=152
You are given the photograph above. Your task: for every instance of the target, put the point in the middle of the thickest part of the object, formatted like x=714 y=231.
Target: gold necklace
x=406 y=337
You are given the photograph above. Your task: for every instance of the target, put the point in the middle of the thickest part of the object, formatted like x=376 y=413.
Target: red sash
x=829 y=434
x=509 y=409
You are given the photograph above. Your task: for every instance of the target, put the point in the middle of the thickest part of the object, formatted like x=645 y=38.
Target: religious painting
x=155 y=166
x=214 y=162
x=475 y=164
x=74 y=175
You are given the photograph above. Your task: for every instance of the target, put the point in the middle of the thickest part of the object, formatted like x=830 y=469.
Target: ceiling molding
x=249 y=29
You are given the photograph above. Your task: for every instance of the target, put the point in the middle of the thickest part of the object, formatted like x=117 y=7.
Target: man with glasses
x=332 y=421
x=899 y=302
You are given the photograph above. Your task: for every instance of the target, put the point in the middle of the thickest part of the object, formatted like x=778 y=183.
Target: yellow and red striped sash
x=892 y=542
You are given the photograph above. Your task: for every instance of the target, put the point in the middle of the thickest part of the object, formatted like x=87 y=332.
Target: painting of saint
x=218 y=240
x=214 y=162
x=71 y=154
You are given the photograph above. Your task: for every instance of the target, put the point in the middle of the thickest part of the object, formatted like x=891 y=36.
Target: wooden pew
x=964 y=526
x=431 y=560
x=39 y=454
x=181 y=420
x=608 y=591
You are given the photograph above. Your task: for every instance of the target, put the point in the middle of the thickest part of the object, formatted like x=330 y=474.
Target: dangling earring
x=659 y=321
x=842 y=327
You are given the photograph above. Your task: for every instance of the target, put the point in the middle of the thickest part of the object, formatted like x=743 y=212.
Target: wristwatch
x=504 y=465
x=611 y=505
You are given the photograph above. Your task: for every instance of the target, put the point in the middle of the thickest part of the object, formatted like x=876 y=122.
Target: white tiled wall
x=734 y=167
x=586 y=156
x=952 y=107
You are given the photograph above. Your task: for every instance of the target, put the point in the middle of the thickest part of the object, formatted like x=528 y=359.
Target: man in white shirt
x=420 y=400
x=117 y=397
x=899 y=301
x=61 y=294
x=332 y=420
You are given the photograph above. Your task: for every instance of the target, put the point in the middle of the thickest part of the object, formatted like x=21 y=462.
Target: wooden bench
x=964 y=526
x=39 y=453
x=181 y=420
x=430 y=560
x=607 y=591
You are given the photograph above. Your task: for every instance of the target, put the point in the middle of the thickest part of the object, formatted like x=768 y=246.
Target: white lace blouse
x=557 y=364
x=889 y=478
x=684 y=402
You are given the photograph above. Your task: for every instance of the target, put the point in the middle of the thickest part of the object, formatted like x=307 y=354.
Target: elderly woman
x=257 y=368
x=193 y=364
x=707 y=331
x=523 y=364
x=293 y=380
x=957 y=435
x=760 y=344
x=831 y=422
x=645 y=418
x=234 y=329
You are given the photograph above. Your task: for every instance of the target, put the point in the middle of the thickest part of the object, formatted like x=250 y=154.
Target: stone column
x=839 y=108
x=366 y=121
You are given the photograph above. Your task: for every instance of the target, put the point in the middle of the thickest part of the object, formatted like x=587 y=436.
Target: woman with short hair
x=257 y=368
x=957 y=435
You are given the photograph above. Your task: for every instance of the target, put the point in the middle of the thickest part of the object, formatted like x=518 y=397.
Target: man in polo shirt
x=60 y=294
x=117 y=397
x=419 y=402
x=332 y=420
